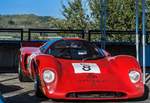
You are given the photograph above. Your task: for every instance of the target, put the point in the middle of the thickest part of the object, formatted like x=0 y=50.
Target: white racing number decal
x=86 y=68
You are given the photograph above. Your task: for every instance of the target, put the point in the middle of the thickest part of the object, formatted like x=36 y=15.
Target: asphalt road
x=16 y=92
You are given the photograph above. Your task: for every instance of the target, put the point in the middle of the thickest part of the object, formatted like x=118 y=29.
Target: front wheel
x=146 y=93
x=38 y=91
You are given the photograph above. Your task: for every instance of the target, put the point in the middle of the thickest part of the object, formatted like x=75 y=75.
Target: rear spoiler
x=34 y=43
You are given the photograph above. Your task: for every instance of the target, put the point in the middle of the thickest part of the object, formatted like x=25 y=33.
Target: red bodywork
x=112 y=79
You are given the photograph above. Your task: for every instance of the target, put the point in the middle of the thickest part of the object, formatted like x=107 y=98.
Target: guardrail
x=83 y=33
x=13 y=30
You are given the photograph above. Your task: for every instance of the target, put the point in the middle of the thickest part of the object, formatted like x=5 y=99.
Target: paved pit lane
x=16 y=92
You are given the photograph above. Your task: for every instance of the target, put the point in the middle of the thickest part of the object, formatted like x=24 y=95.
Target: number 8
x=86 y=67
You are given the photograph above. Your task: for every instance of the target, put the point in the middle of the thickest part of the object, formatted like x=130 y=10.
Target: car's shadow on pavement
x=26 y=97
x=9 y=88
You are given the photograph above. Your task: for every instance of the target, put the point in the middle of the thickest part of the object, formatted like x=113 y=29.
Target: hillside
x=27 y=21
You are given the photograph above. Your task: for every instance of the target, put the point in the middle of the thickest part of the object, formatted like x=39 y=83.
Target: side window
x=43 y=48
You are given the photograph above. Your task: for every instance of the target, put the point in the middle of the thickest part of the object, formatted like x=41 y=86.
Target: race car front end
x=93 y=89
x=70 y=84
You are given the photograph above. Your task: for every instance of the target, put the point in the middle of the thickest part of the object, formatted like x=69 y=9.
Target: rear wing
x=36 y=43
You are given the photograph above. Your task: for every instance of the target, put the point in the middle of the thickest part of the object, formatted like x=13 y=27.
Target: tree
x=75 y=15
x=94 y=6
x=120 y=16
x=11 y=22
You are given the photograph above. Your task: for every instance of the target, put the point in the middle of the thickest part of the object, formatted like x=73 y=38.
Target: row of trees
x=85 y=14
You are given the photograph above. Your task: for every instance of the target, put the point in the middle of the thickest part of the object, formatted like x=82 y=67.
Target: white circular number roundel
x=86 y=68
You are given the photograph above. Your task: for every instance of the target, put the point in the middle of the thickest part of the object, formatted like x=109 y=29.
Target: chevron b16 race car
x=75 y=69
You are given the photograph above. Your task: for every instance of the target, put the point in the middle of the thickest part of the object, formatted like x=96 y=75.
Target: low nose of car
x=89 y=76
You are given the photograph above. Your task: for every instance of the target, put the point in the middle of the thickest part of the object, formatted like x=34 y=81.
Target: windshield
x=75 y=50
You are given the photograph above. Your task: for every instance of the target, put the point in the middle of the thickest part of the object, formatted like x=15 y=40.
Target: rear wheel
x=21 y=76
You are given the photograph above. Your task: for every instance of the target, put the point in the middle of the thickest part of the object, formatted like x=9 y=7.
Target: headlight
x=134 y=76
x=48 y=76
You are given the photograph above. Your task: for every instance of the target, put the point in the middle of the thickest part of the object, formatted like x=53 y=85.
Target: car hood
x=92 y=75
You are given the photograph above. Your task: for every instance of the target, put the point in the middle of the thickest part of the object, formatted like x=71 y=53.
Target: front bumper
x=96 y=94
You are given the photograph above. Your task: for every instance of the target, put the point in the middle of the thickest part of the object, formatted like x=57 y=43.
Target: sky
x=38 y=7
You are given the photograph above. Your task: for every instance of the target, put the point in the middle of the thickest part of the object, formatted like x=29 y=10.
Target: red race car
x=75 y=69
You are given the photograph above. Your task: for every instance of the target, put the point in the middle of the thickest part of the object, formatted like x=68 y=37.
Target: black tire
x=38 y=91
x=146 y=93
x=21 y=76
